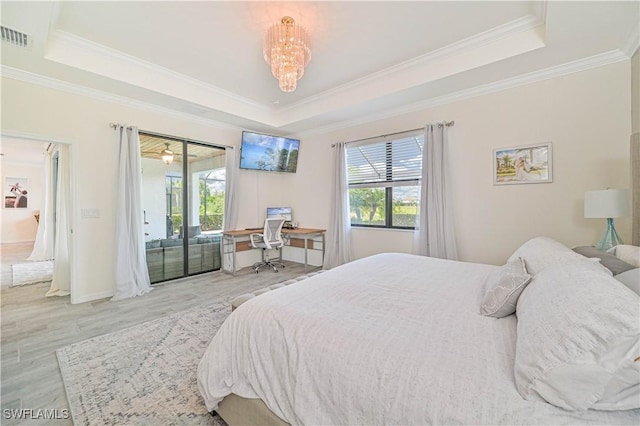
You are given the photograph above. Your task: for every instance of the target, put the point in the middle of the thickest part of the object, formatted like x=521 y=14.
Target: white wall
x=84 y=122
x=19 y=225
x=586 y=115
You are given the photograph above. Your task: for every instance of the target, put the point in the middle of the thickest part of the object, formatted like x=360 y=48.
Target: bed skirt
x=236 y=410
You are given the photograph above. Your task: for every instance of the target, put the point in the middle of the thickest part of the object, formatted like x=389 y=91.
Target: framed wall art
x=523 y=164
x=16 y=192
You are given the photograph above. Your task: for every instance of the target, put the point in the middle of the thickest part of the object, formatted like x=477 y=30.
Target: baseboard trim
x=13 y=243
x=91 y=297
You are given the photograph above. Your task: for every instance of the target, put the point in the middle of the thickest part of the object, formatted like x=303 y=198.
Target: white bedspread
x=389 y=339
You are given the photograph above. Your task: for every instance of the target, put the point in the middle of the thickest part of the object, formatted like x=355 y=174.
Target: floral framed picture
x=15 y=192
x=523 y=164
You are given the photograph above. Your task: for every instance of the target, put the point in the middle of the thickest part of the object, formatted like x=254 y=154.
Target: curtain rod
x=441 y=124
x=175 y=138
x=115 y=126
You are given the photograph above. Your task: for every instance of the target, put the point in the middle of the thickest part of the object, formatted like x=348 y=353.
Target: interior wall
x=585 y=115
x=84 y=122
x=19 y=224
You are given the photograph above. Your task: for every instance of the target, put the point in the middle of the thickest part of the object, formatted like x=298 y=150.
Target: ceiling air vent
x=15 y=37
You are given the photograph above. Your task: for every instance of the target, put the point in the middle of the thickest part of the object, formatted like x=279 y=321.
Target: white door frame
x=72 y=194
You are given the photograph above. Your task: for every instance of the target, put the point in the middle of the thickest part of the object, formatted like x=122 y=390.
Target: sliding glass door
x=206 y=180
x=183 y=198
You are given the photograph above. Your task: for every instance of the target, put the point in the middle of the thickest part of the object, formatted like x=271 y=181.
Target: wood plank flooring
x=34 y=326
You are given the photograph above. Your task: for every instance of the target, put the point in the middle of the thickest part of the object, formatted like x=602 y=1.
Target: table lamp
x=607 y=204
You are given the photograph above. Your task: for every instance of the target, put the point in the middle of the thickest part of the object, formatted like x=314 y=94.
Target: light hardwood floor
x=34 y=326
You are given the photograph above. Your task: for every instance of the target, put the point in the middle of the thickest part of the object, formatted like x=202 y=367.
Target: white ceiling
x=203 y=59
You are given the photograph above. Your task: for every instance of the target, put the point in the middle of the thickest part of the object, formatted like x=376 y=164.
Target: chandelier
x=287 y=49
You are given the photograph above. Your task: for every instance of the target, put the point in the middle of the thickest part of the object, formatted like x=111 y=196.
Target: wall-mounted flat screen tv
x=269 y=153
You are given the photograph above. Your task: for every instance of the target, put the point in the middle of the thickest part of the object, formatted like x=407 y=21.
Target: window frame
x=389 y=183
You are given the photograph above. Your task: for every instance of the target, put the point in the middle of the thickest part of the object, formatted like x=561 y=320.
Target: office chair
x=271 y=238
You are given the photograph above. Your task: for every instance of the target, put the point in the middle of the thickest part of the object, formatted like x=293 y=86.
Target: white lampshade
x=608 y=203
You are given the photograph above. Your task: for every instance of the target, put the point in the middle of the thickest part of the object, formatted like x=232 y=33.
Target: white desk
x=238 y=240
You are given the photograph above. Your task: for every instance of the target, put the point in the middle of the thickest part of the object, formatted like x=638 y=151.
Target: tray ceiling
x=203 y=60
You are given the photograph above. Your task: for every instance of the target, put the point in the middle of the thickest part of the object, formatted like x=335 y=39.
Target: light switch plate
x=90 y=213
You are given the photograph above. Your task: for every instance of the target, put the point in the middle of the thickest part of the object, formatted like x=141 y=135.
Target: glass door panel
x=183 y=203
x=206 y=175
x=162 y=192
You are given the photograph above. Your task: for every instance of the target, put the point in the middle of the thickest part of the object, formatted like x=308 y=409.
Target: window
x=384 y=180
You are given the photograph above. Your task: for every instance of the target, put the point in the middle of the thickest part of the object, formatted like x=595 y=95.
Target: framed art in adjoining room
x=15 y=192
x=523 y=164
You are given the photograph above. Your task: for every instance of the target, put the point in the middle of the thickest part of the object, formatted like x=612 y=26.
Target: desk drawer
x=243 y=245
x=299 y=242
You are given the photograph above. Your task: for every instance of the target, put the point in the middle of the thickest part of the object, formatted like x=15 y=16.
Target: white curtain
x=435 y=234
x=635 y=189
x=61 y=282
x=43 y=246
x=230 y=219
x=132 y=276
x=338 y=239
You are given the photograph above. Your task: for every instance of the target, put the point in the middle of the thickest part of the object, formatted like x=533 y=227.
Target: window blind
x=386 y=162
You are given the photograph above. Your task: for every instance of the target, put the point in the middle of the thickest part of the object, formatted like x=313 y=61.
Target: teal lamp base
x=610 y=237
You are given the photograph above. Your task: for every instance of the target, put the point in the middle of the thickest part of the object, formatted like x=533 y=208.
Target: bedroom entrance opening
x=183 y=199
x=38 y=177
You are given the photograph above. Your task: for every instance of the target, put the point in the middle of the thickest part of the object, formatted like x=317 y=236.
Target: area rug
x=143 y=375
x=31 y=272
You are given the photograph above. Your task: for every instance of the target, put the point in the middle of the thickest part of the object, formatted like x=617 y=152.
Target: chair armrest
x=259 y=238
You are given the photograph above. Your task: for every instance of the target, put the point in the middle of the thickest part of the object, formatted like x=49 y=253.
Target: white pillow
x=627 y=253
x=631 y=279
x=540 y=252
x=577 y=339
x=502 y=289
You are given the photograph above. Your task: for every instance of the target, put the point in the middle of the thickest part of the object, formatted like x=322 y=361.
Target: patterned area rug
x=143 y=375
x=31 y=272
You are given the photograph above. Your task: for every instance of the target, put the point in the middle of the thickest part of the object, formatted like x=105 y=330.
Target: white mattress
x=389 y=339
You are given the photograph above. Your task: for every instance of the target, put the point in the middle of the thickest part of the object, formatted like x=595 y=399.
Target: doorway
x=183 y=200
x=37 y=159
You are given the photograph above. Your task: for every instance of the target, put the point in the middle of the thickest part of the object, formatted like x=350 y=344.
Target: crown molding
x=33 y=137
x=469 y=44
x=509 y=83
x=63 y=86
x=503 y=42
x=74 y=41
x=532 y=77
x=78 y=52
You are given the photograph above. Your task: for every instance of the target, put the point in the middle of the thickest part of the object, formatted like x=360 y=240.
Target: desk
x=238 y=240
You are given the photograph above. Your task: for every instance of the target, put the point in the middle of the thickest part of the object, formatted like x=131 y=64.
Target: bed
x=399 y=339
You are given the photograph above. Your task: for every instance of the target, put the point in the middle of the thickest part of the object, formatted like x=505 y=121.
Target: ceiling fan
x=166 y=154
